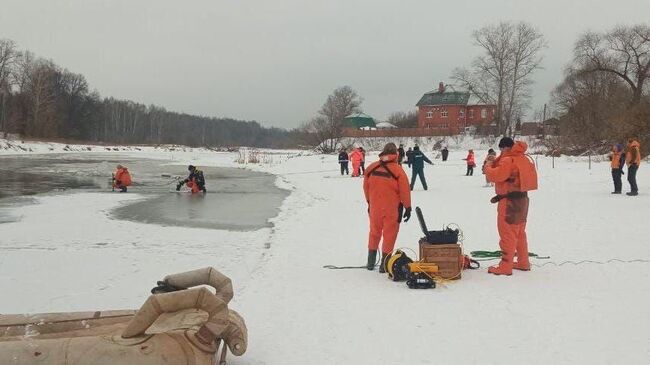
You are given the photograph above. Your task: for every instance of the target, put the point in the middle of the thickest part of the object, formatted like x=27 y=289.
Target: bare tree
x=623 y=51
x=503 y=74
x=7 y=59
x=328 y=125
x=404 y=119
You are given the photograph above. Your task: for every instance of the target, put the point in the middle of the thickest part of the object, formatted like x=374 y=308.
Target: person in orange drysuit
x=387 y=191
x=617 y=159
x=470 y=163
x=121 y=178
x=514 y=175
x=356 y=157
x=633 y=160
x=489 y=159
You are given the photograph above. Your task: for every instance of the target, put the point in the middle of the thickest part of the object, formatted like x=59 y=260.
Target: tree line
x=41 y=99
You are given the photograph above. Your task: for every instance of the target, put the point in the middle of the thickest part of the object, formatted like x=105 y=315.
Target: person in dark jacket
x=417 y=162
x=343 y=161
x=195 y=181
x=445 y=153
x=409 y=156
x=618 y=161
x=401 y=154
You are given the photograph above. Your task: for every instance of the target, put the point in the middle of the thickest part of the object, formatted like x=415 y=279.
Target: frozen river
x=237 y=199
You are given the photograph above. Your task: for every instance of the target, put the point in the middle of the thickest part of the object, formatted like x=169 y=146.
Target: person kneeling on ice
x=121 y=178
x=388 y=194
x=514 y=174
x=196 y=181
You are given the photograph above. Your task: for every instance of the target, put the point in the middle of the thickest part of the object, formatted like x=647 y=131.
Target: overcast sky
x=275 y=61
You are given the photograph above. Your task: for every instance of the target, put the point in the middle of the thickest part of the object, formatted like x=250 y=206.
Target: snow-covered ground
x=65 y=254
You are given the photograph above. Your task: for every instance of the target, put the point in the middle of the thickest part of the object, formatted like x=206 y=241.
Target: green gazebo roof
x=359 y=120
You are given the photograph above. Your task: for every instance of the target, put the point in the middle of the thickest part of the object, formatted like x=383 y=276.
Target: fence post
x=589 y=160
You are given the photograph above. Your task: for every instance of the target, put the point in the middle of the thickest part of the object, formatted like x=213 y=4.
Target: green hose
x=489 y=255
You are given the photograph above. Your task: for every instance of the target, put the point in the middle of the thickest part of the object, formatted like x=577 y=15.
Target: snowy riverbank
x=66 y=254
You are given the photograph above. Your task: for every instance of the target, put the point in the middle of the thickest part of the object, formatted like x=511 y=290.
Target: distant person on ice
x=471 y=163
x=400 y=153
x=363 y=160
x=489 y=159
x=633 y=160
x=445 y=153
x=386 y=188
x=418 y=167
x=409 y=156
x=195 y=182
x=121 y=178
x=343 y=161
x=514 y=175
x=618 y=161
x=355 y=158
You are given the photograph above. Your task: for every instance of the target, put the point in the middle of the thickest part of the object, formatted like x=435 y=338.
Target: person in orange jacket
x=471 y=163
x=489 y=159
x=633 y=160
x=514 y=175
x=387 y=191
x=356 y=157
x=121 y=178
x=617 y=159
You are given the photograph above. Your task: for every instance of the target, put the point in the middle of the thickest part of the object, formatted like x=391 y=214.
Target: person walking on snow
x=417 y=162
x=355 y=158
x=363 y=160
x=489 y=159
x=633 y=160
x=386 y=188
x=121 y=178
x=343 y=161
x=618 y=161
x=514 y=175
x=445 y=153
x=470 y=163
x=400 y=152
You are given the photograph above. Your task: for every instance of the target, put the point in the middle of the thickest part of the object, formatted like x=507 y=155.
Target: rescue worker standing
x=355 y=158
x=343 y=161
x=471 y=163
x=195 y=181
x=401 y=154
x=386 y=188
x=633 y=160
x=121 y=178
x=514 y=175
x=418 y=167
x=618 y=161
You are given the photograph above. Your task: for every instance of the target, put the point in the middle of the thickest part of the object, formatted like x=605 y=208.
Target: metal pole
x=589 y=160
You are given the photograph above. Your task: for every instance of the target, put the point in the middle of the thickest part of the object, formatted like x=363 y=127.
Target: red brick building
x=452 y=111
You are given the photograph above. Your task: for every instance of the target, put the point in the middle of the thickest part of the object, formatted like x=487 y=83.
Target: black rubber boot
x=372 y=258
x=382 y=265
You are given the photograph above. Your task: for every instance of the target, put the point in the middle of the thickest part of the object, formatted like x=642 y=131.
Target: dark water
x=237 y=199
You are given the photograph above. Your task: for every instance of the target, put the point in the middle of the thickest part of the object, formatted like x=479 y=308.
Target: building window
x=429 y=114
x=444 y=113
x=483 y=113
x=471 y=114
x=462 y=113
